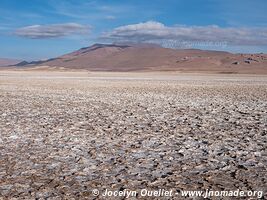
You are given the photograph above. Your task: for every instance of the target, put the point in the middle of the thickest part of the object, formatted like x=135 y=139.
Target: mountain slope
x=6 y=62
x=112 y=57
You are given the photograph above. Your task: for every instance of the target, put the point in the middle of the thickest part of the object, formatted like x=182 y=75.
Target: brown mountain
x=113 y=57
x=7 y=62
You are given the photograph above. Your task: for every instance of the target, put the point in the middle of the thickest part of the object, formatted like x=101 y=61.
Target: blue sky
x=38 y=29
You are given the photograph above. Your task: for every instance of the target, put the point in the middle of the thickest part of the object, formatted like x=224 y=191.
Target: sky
x=42 y=29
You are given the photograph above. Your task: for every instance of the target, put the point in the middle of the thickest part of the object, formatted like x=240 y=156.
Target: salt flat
x=63 y=134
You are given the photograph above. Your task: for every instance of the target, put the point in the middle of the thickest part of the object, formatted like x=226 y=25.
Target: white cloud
x=156 y=32
x=52 y=31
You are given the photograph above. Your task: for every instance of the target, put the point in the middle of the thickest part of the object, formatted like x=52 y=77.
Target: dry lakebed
x=63 y=134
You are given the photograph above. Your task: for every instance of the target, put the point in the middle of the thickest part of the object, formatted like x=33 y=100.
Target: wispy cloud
x=157 y=32
x=87 y=10
x=52 y=30
x=110 y=17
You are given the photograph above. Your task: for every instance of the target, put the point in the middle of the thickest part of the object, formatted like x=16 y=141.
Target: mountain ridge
x=7 y=61
x=146 y=57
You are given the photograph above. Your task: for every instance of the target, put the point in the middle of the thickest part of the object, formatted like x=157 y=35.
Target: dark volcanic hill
x=114 y=57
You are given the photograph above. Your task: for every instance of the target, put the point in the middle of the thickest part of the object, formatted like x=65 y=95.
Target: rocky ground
x=62 y=136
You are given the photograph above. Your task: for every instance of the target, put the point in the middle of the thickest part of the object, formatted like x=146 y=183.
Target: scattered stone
x=235 y=63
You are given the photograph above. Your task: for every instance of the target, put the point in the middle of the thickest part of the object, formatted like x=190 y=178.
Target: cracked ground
x=63 y=135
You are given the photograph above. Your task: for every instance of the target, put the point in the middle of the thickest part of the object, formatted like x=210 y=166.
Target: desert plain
x=63 y=134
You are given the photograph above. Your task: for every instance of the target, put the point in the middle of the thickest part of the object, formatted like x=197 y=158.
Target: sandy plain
x=63 y=134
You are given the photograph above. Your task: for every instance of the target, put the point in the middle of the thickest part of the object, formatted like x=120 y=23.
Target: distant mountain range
x=146 y=57
x=6 y=62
